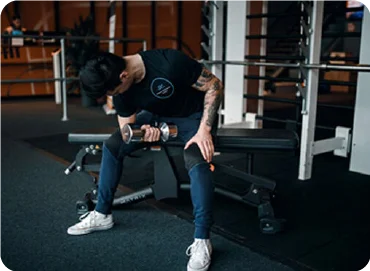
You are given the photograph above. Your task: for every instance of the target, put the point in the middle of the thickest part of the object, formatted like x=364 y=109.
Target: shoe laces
x=199 y=250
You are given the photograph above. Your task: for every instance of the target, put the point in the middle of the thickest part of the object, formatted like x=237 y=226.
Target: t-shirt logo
x=162 y=88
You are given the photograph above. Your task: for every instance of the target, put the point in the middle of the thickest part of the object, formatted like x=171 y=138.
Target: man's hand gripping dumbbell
x=147 y=133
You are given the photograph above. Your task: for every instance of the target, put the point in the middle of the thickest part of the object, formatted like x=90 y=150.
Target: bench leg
x=165 y=183
x=165 y=179
x=269 y=224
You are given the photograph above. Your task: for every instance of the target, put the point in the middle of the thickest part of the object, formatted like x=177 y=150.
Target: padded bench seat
x=227 y=138
x=91 y=136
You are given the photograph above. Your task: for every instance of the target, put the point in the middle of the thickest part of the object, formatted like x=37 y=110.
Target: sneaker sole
x=87 y=231
x=202 y=269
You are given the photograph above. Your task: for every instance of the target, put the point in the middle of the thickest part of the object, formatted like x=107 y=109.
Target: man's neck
x=135 y=66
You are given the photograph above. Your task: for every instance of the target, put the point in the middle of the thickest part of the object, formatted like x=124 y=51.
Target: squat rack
x=307 y=83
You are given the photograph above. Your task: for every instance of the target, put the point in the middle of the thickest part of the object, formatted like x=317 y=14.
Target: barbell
x=358 y=68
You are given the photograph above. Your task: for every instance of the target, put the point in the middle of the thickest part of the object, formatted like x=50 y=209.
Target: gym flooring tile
x=38 y=206
x=326 y=216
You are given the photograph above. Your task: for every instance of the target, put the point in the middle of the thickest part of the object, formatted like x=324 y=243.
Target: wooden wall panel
x=101 y=23
x=191 y=32
x=41 y=18
x=69 y=12
x=119 y=25
x=34 y=62
x=138 y=20
x=166 y=24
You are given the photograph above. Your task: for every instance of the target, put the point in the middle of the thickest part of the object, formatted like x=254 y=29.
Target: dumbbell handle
x=133 y=133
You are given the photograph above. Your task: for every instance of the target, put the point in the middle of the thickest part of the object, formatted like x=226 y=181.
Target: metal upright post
x=360 y=153
x=313 y=31
x=64 y=80
x=214 y=49
x=216 y=40
x=56 y=72
x=108 y=107
x=112 y=24
x=262 y=70
x=235 y=50
x=144 y=45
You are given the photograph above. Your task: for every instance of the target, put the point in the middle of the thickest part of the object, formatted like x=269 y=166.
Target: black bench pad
x=230 y=138
x=91 y=136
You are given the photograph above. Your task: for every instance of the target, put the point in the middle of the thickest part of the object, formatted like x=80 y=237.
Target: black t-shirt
x=166 y=88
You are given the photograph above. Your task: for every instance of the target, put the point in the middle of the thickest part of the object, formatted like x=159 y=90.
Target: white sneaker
x=200 y=255
x=91 y=221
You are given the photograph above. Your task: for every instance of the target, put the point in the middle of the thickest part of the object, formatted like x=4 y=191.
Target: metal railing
x=63 y=77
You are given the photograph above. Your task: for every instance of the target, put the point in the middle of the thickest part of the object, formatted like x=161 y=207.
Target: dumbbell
x=133 y=133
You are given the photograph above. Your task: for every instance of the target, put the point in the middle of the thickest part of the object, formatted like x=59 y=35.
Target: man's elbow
x=221 y=88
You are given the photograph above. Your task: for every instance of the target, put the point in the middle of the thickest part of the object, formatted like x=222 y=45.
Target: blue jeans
x=201 y=177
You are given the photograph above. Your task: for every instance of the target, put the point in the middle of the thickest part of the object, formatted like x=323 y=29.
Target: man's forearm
x=212 y=101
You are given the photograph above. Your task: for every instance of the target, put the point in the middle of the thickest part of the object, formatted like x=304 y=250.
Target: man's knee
x=193 y=156
x=114 y=142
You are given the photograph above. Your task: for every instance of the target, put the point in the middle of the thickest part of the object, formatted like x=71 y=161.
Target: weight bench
x=228 y=140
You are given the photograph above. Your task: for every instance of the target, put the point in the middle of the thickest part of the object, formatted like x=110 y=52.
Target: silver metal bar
x=112 y=24
x=108 y=41
x=209 y=15
x=36 y=80
x=358 y=68
x=64 y=82
x=327 y=145
x=206 y=48
x=144 y=45
x=249 y=63
x=206 y=31
x=307 y=31
x=134 y=196
x=56 y=72
x=73 y=38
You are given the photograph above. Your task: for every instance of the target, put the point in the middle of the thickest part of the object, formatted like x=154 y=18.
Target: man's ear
x=123 y=75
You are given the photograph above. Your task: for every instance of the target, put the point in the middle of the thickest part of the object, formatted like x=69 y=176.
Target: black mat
x=327 y=216
x=37 y=207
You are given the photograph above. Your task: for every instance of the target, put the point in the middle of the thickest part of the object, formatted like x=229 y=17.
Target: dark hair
x=15 y=17
x=101 y=74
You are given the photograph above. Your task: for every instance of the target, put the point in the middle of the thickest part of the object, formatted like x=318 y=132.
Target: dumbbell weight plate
x=168 y=131
x=132 y=133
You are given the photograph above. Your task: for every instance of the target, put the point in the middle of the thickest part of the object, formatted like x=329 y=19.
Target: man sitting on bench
x=164 y=85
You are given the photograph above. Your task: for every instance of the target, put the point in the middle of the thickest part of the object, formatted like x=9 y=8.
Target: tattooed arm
x=213 y=87
x=214 y=91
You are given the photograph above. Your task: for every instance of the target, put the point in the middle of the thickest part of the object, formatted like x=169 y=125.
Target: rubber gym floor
x=328 y=216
